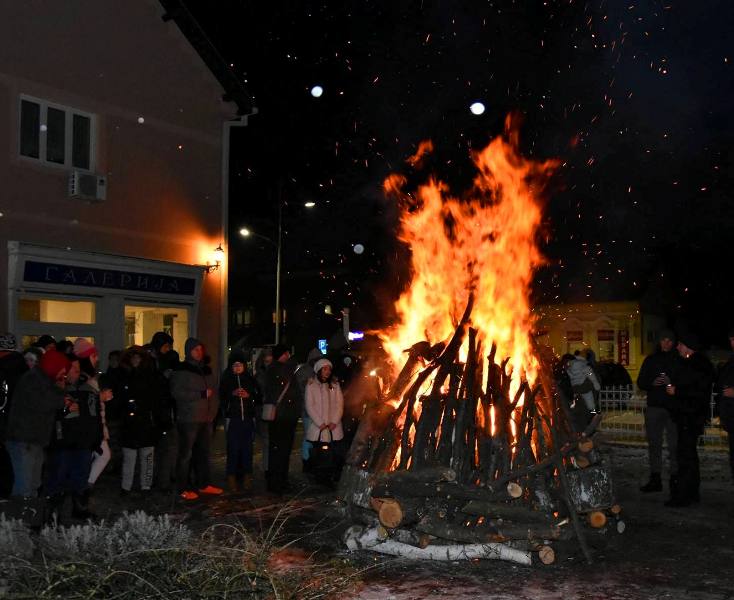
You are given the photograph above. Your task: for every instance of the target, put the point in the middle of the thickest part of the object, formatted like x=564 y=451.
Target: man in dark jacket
x=12 y=367
x=37 y=396
x=194 y=390
x=141 y=426
x=281 y=390
x=167 y=361
x=240 y=398
x=690 y=391
x=725 y=389
x=656 y=373
x=78 y=432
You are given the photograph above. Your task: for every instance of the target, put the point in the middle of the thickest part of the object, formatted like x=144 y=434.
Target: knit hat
x=160 y=339
x=320 y=364
x=84 y=348
x=666 y=334
x=44 y=341
x=279 y=350
x=237 y=355
x=8 y=342
x=52 y=362
x=190 y=344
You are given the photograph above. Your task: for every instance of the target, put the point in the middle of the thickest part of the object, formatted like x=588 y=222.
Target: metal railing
x=623 y=420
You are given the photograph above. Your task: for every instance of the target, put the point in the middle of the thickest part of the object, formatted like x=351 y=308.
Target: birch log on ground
x=357 y=538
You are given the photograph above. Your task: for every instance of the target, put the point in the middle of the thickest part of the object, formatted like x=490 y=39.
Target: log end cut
x=597 y=519
x=547 y=555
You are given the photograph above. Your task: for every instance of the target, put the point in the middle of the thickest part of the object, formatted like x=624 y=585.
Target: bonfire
x=469 y=453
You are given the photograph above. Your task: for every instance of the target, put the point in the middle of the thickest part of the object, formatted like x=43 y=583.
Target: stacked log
x=434 y=479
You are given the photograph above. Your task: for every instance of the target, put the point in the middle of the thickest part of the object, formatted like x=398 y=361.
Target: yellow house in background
x=616 y=331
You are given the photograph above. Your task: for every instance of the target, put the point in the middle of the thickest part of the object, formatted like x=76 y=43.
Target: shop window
x=57 y=135
x=42 y=310
x=141 y=322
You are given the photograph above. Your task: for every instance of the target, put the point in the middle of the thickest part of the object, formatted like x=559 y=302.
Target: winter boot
x=247 y=482
x=654 y=485
x=232 y=484
x=80 y=506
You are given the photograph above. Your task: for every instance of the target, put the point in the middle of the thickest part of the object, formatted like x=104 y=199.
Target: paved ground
x=664 y=553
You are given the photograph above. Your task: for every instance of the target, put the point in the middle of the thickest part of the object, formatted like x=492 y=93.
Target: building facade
x=616 y=331
x=113 y=202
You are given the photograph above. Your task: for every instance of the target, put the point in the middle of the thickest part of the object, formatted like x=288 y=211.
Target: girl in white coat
x=325 y=407
x=324 y=404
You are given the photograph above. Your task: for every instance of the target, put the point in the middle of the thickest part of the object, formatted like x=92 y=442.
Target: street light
x=245 y=232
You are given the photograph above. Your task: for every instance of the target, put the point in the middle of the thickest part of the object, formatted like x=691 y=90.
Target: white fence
x=623 y=410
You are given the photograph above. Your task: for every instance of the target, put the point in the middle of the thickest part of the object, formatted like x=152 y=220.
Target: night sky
x=634 y=98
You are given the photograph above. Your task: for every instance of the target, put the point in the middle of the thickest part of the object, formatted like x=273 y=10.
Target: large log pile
x=428 y=476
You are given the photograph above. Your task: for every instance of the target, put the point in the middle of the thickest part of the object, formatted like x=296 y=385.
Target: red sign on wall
x=623 y=345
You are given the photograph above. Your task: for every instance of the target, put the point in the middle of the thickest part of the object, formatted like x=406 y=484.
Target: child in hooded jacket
x=240 y=396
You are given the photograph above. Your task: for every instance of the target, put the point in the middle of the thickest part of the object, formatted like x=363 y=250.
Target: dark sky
x=634 y=98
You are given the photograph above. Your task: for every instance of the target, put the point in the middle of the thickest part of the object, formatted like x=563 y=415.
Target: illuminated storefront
x=113 y=301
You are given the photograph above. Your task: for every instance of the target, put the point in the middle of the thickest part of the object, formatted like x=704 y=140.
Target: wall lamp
x=218 y=256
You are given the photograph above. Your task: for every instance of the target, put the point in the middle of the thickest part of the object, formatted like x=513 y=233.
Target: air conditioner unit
x=87 y=186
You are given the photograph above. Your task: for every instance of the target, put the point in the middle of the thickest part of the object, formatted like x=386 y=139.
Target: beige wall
x=119 y=61
x=555 y=321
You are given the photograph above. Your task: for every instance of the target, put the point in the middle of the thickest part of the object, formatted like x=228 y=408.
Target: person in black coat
x=690 y=393
x=77 y=433
x=281 y=390
x=725 y=390
x=139 y=393
x=12 y=367
x=657 y=371
x=239 y=396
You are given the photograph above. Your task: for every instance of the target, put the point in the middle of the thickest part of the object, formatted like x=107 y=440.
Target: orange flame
x=486 y=243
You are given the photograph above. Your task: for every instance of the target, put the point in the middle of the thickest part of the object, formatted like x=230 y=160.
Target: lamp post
x=245 y=232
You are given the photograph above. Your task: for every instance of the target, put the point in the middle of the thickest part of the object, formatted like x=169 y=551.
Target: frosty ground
x=663 y=553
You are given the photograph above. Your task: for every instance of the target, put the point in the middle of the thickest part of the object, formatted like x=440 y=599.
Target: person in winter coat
x=194 y=390
x=240 y=397
x=325 y=408
x=725 y=389
x=281 y=391
x=37 y=396
x=656 y=373
x=584 y=381
x=12 y=367
x=77 y=433
x=167 y=361
x=263 y=361
x=140 y=393
x=304 y=374
x=690 y=392
x=88 y=357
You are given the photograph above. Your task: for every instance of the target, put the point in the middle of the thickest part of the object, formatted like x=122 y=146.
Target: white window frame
x=69 y=112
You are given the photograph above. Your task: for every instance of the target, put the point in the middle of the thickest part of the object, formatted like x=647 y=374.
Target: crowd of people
x=63 y=422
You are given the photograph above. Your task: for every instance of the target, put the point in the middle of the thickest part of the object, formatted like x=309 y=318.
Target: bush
x=15 y=539
x=141 y=556
x=132 y=532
